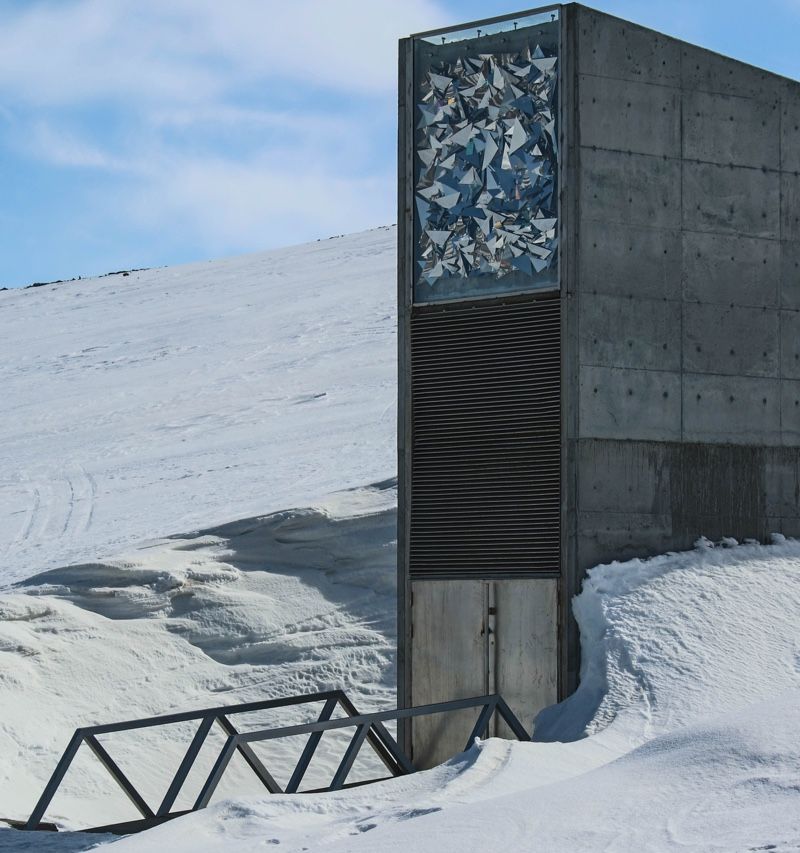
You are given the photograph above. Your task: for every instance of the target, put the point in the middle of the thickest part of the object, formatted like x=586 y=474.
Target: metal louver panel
x=486 y=440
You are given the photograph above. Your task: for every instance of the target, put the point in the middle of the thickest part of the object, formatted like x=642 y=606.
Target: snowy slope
x=728 y=785
x=691 y=704
x=167 y=400
x=197 y=508
x=140 y=414
x=294 y=602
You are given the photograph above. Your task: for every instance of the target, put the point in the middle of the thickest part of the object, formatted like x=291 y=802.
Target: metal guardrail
x=369 y=728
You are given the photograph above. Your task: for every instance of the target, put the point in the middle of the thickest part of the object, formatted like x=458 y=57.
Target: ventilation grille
x=486 y=441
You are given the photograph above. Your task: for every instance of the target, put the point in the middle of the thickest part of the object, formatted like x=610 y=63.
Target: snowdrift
x=684 y=736
x=181 y=398
x=669 y=640
x=247 y=403
x=294 y=602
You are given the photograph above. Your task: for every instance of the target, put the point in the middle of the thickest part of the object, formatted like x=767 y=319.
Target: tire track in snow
x=92 y=498
x=82 y=499
x=71 y=506
x=61 y=505
x=31 y=512
x=40 y=522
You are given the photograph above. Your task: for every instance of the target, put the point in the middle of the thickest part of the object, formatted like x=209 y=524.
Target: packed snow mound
x=685 y=736
x=729 y=785
x=294 y=602
x=668 y=640
x=683 y=730
x=141 y=406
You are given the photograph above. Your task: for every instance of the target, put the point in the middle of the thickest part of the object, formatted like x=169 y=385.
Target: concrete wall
x=680 y=288
x=685 y=297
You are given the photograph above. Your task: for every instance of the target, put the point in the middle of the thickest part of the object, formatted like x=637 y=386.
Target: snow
x=669 y=640
x=188 y=523
x=171 y=399
x=188 y=623
x=689 y=709
x=729 y=785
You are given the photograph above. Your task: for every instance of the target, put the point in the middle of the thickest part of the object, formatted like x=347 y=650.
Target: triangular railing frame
x=369 y=728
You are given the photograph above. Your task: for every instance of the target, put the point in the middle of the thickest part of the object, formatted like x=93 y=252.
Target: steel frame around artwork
x=368 y=727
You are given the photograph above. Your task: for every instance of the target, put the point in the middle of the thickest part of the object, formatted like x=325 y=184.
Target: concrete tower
x=599 y=303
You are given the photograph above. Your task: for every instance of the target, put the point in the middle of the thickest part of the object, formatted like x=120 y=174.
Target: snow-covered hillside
x=197 y=507
x=141 y=414
x=170 y=399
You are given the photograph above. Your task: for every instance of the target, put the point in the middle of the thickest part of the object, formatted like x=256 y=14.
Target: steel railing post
x=55 y=780
x=482 y=723
x=309 y=749
x=119 y=777
x=511 y=719
x=185 y=766
x=349 y=757
x=217 y=770
x=253 y=761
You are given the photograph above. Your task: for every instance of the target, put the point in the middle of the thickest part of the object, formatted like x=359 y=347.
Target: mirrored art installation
x=486 y=151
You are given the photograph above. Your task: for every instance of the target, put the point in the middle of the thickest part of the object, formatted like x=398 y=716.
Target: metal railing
x=369 y=728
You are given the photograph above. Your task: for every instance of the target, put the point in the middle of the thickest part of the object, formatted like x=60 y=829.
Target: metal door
x=473 y=637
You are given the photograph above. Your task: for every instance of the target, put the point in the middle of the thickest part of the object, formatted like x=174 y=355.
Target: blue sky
x=149 y=132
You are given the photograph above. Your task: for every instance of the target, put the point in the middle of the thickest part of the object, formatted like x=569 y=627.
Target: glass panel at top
x=486 y=159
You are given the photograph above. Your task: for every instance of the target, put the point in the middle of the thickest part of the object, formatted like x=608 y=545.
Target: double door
x=475 y=637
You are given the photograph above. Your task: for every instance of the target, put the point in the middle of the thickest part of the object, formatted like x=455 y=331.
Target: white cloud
x=78 y=51
x=64 y=148
x=233 y=125
x=197 y=50
x=264 y=202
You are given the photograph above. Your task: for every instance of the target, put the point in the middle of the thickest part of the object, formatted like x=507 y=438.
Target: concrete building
x=599 y=293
